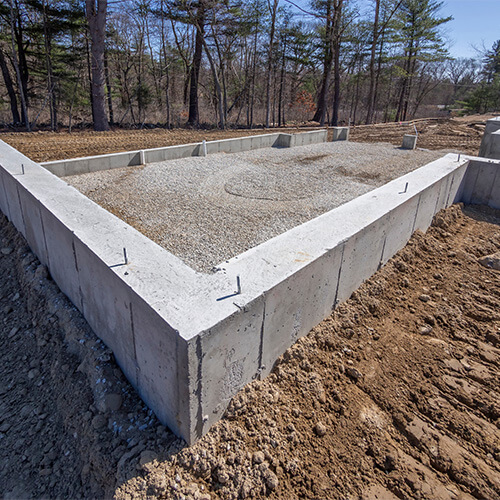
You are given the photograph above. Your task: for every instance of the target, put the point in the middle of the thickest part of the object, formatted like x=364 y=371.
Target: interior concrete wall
x=76 y=166
x=186 y=351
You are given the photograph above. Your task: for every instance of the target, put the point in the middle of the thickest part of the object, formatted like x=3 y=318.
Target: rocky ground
x=463 y=134
x=396 y=395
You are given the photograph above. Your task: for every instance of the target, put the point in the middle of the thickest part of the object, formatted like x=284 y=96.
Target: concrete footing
x=188 y=342
x=340 y=133
x=490 y=144
x=409 y=141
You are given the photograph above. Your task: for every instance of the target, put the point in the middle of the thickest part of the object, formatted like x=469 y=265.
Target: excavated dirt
x=396 y=395
x=462 y=134
x=49 y=146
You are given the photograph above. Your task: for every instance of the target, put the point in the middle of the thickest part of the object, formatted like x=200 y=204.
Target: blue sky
x=476 y=23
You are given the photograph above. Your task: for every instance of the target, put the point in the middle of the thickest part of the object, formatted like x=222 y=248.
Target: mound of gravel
x=208 y=209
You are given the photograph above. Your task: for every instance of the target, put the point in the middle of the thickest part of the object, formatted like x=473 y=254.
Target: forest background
x=233 y=63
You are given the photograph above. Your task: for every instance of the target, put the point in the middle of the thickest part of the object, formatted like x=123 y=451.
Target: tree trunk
x=319 y=115
x=218 y=90
x=22 y=62
x=18 y=72
x=48 y=64
x=89 y=71
x=371 y=91
x=337 y=16
x=194 y=113
x=96 y=17
x=273 y=9
x=108 y=89
x=281 y=110
x=10 y=89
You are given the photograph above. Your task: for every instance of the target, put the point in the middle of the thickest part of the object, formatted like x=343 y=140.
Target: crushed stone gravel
x=208 y=209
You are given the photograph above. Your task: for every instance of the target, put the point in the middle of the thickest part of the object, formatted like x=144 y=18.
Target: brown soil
x=49 y=146
x=396 y=395
x=461 y=134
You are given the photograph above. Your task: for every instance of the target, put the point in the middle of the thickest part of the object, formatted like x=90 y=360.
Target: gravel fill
x=208 y=209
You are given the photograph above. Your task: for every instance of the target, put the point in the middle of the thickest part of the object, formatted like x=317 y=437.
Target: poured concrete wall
x=340 y=134
x=490 y=144
x=75 y=166
x=186 y=351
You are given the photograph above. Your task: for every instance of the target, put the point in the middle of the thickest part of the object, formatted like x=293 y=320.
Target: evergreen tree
x=418 y=33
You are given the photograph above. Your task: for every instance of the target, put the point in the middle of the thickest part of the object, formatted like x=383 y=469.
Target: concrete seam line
x=490 y=190
x=6 y=198
x=497 y=175
x=77 y=273
x=416 y=213
x=137 y=369
x=199 y=388
x=477 y=169
x=381 y=262
x=21 y=209
x=261 y=346
x=335 y=303
x=437 y=198
x=44 y=237
x=449 y=191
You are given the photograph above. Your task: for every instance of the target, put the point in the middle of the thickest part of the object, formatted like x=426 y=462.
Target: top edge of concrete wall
x=82 y=165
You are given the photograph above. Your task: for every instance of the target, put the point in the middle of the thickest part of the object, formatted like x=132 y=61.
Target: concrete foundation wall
x=409 y=142
x=76 y=166
x=82 y=245
x=296 y=279
x=186 y=351
x=490 y=144
x=482 y=186
x=340 y=134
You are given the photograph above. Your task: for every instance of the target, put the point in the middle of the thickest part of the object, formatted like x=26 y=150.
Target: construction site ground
x=395 y=395
x=463 y=134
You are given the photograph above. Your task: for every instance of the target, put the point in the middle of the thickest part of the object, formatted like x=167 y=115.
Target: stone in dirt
x=258 y=457
x=112 y=402
x=491 y=261
x=320 y=429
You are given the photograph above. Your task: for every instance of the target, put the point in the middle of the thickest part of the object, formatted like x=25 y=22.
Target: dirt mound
x=396 y=395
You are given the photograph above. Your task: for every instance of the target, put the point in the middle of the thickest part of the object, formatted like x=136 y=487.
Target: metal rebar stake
x=125 y=255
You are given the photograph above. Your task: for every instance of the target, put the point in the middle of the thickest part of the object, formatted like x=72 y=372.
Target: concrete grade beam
x=186 y=352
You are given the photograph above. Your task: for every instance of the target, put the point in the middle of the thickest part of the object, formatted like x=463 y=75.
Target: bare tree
x=96 y=11
x=10 y=88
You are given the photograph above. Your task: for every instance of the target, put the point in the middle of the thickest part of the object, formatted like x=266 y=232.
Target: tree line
x=232 y=63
